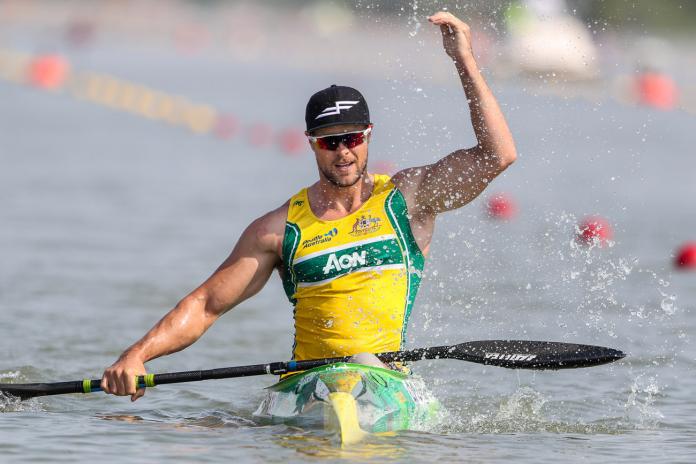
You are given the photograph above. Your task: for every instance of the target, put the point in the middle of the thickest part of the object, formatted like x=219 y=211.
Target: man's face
x=344 y=166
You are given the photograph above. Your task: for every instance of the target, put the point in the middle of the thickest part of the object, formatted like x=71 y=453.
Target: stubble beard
x=343 y=183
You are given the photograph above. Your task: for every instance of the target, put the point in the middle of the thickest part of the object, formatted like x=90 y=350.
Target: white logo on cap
x=340 y=105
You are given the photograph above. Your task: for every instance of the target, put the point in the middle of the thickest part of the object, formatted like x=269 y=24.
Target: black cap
x=336 y=105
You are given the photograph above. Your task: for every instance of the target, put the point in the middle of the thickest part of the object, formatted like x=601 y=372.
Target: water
x=108 y=219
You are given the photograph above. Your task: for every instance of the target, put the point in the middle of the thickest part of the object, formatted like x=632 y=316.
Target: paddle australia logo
x=510 y=356
x=336 y=109
x=365 y=225
x=321 y=238
x=346 y=261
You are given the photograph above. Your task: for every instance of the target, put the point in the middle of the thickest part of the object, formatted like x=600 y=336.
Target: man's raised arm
x=461 y=176
x=239 y=277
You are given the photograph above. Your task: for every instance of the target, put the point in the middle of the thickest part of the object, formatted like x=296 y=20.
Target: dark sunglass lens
x=331 y=142
x=353 y=140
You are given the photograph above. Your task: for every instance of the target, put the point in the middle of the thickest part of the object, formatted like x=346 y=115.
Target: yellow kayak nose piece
x=351 y=400
x=345 y=418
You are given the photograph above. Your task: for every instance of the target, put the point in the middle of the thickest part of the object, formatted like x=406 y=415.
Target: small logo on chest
x=321 y=238
x=365 y=225
x=346 y=261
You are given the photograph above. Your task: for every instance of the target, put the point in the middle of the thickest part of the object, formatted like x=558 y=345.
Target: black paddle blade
x=525 y=354
x=520 y=354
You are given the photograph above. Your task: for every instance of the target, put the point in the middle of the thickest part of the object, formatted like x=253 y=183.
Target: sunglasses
x=349 y=139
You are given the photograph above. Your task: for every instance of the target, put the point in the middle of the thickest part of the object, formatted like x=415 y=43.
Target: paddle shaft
x=515 y=354
x=150 y=380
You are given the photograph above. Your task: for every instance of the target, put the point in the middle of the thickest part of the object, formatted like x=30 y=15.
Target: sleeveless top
x=353 y=280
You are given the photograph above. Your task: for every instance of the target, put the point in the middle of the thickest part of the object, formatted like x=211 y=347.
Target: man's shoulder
x=266 y=232
x=408 y=181
x=273 y=222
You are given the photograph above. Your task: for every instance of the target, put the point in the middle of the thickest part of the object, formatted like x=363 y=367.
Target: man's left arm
x=461 y=176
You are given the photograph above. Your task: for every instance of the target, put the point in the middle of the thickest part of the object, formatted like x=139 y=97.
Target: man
x=349 y=248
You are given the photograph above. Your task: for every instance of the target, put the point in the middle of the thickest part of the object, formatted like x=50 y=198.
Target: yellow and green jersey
x=353 y=280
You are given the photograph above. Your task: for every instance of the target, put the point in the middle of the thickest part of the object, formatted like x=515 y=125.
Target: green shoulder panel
x=291 y=241
x=397 y=211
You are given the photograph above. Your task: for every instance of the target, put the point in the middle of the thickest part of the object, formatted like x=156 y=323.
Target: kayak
x=351 y=400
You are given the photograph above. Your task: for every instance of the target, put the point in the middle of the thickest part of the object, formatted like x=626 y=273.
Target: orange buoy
x=657 y=90
x=686 y=256
x=501 y=206
x=594 y=230
x=48 y=72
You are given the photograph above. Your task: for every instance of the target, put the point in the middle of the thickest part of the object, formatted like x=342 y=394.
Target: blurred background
x=139 y=138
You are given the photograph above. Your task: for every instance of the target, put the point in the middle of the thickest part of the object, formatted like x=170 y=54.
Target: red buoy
x=594 y=230
x=686 y=256
x=48 y=71
x=501 y=206
x=657 y=90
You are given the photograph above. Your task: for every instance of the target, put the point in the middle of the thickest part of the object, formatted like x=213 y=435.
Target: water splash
x=525 y=403
x=10 y=375
x=597 y=282
x=9 y=403
x=413 y=20
x=526 y=410
x=640 y=406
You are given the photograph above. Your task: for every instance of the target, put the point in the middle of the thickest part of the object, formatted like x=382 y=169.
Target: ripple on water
x=217 y=419
x=207 y=419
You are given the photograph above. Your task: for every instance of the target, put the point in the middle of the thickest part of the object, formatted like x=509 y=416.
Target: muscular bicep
x=245 y=271
x=451 y=182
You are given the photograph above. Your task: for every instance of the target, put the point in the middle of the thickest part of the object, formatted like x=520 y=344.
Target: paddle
x=513 y=354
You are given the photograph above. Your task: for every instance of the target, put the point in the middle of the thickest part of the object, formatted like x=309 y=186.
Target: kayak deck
x=351 y=400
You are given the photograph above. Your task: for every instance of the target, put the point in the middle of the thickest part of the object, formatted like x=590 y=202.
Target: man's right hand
x=120 y=378
x=456 y=35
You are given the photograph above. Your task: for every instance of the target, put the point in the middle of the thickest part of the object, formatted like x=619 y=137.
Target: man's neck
x=329 y=201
